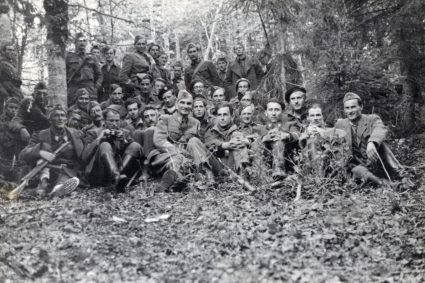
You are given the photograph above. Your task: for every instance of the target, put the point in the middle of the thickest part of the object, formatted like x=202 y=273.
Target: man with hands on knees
x=280 y=139
x=111 y=155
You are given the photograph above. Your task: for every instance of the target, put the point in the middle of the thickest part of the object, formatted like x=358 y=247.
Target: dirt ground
x=221 y=234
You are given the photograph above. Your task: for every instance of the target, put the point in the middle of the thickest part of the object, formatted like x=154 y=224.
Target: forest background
x=372 y=47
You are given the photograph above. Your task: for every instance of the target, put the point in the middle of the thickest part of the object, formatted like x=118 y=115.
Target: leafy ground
x=224 y=234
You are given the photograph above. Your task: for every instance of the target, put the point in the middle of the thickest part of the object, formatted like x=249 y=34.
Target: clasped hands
x=235 y=143
x=277 y=135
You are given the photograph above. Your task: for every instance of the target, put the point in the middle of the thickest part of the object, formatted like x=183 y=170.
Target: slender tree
x=57 y=34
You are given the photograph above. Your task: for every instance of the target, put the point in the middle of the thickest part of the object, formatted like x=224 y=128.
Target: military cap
x=184 y=94
x=142 y=76
x=79 y=35
x=114 y=107
x=82 y=91
x=137 y=38
x=56 y=108
x=93 y=104
x=292 y=90
x=350 y=96
x=40 y=85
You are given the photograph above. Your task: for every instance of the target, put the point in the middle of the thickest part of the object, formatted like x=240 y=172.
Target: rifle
x=17 y=191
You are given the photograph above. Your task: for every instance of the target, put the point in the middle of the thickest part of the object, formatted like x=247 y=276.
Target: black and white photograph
x=212 y=141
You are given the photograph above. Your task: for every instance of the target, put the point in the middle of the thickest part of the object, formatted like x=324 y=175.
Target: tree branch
x=100 y=13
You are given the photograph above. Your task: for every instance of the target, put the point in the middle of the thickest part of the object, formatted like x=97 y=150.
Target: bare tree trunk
x=57 y=34
x=177 y=46
x=211 y=36
x=281 y=51
x=112 y=23
x=5 y=29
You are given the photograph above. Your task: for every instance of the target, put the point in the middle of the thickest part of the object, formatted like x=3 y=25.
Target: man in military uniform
x=297 y=111
x=10 y=144
x=32 y=116
x=82 y=71
x=226 y=141
x=366 y=135
x=10 y=82
x=200 y=69
x=244 y=66
x=134 y=121
x=82 y=106
x=96 y=116
x=67 y=163
x=111 y=155
x=281 y=138
x=222 y=69
x=177 y=136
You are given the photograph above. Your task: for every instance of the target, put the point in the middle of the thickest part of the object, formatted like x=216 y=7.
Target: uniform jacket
x=254 y=73
x=33 y=120
x=110 y=76
x=215 y=137
x=91 y=145
x=85 y=116
x=206 y=72
x=10 y=82
x=31 y=153
x=168 y=133
x=89 y=73
x=134 y=63
x=370 y=128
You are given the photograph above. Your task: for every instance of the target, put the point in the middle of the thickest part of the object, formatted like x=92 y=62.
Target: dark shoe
x=129 y=165
x=168 y=180
x=120 y=183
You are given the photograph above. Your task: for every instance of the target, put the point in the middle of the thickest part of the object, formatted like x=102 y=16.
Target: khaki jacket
x=168 y=134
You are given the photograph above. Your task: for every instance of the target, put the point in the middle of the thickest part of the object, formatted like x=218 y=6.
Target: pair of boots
x=120 y=176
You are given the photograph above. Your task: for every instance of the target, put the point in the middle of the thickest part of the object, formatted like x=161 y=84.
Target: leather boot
x=128 y=168
x=113 y=170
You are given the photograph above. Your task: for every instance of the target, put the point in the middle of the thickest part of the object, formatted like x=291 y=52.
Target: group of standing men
x=140 y=119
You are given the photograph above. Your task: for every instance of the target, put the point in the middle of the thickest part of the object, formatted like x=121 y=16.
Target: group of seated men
x=112 y=143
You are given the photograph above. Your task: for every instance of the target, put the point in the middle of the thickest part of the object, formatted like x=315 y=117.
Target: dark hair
x=164 y=91
x=132 y=101
x=224 y=105
x=222 y=59
x=107 y=48
x=292 y=90
x=94 y=47
x=6 y=44
x=192 y=84
x=152 y=45
x=242 y=80
x=193 y=45
x=200 y=98
x=78 y=35
x=146 y=108
x=275 y=100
